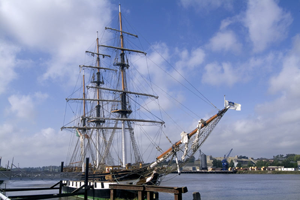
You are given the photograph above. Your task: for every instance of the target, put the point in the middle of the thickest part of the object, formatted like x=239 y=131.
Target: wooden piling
x=60 y=182
x=196 y=196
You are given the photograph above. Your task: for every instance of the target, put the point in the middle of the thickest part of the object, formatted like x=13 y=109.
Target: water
x=215 y=186
x=236 y=186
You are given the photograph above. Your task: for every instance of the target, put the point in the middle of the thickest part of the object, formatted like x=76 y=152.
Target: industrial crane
x=224 y=161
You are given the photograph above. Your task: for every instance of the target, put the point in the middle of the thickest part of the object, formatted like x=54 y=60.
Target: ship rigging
x=116 y=115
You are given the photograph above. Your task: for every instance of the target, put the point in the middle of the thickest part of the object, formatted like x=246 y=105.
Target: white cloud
x=8 y=63
x=259 y=135
x=153 y=66
x=187 y=63
x=23 y=106
x=190 y=60
x=225 y=41
x=231 y=20
x=274 y=126
x=5 y=130
x=40 y=149
x=59 y=29
x=40 y=96
x=267 y=23
x=288 y=80
x=157 y=64
x=216 y=74
x=197 y=57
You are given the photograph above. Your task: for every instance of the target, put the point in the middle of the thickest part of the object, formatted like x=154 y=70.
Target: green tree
x=239 y=165
x=297 y=158
x=217 y=163
x=231 y=164
x=259 y=163
x=278 y=156
x=262 y=163
x=275 y=163
x=249 y=164
x=287 y=163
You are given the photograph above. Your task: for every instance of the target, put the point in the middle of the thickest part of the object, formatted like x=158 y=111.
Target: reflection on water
x=210 y=186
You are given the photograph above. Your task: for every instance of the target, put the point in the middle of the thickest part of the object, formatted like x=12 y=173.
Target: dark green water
x=215 y=186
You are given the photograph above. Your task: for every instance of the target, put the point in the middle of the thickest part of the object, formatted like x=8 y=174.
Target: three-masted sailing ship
x=105 y=129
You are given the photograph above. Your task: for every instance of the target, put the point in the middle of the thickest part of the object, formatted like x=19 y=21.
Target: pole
x=82 y=137
x=196 y=196
x=86 y=178
x=60 y=182
x=123 y=144
x=98 y=103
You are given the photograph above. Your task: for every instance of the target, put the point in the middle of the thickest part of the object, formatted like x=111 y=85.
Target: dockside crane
x=224 y=161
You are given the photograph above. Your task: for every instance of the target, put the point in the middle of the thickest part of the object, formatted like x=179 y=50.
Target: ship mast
x=125 y=111
x=96 y=120
x=83 y=120
x=98 y=104
x=123 y=94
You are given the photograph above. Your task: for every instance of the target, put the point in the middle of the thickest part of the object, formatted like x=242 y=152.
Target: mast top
x=119 y=7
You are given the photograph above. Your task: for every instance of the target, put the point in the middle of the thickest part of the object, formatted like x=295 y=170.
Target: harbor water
x=213 y=186
x=237 y=186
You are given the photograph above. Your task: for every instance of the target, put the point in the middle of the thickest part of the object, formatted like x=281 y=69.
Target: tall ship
x=117 y=125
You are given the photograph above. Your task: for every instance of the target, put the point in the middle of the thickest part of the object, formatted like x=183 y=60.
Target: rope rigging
x=202 y=96
x=122 y=113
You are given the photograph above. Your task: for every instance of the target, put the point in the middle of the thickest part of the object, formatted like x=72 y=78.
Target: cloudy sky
x=246 y=50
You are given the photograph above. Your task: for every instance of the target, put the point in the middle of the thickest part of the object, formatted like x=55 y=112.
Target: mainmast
x=83 y=120
x=125 y=110
x=123 y=94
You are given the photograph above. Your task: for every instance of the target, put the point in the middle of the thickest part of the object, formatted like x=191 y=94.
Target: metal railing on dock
x=78 y=191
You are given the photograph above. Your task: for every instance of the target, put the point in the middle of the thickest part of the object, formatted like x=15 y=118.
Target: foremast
x=99 y=119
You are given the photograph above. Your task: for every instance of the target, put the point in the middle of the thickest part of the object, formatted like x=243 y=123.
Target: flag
x=78 y=133
x=233 y=105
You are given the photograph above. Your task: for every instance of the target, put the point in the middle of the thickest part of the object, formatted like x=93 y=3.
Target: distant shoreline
x=268 y=172
x=238 y=172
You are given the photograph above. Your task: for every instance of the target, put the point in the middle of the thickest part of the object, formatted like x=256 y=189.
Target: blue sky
x=246 y=50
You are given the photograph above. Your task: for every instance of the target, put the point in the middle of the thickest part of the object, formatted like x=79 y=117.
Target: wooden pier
x=149 y=191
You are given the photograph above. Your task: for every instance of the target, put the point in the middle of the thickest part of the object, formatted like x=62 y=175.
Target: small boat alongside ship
x=106 y=129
